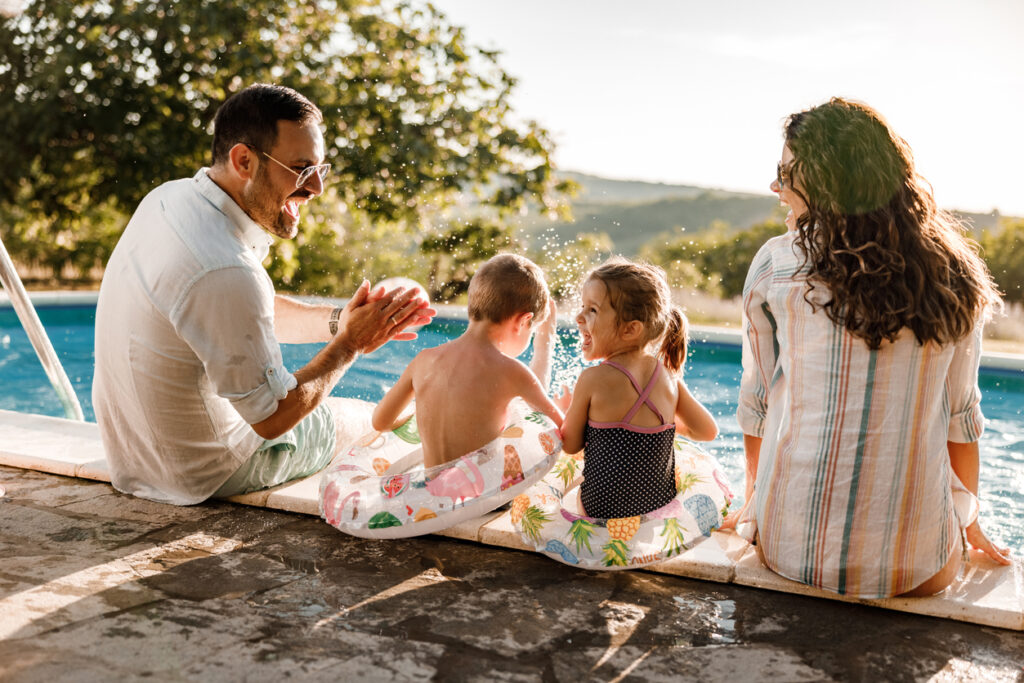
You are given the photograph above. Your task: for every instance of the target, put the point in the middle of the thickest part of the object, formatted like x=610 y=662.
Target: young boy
x=463 y=388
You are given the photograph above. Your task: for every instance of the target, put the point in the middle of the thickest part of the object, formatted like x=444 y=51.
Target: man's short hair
x=250 y=117
x=506 y=286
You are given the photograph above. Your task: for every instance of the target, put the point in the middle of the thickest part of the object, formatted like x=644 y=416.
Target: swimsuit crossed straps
x=628 y=470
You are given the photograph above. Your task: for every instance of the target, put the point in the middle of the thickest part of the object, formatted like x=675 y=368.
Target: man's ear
x=243 y=161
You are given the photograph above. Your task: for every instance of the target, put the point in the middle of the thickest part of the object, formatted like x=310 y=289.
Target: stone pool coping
x=985 y=593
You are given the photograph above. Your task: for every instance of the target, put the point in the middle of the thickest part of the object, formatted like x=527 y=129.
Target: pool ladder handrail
x=37 y=335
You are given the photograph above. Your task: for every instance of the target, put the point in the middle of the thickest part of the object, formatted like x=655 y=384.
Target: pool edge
x=990 y=360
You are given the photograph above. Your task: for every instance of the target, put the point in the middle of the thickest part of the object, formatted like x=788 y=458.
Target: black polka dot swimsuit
x=628 y=470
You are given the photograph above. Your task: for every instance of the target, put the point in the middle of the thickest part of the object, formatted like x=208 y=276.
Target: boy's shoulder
x=511 y=367
x=510 y=372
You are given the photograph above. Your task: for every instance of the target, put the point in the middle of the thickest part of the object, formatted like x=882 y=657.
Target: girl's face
x=784 y=186
x=597 y=322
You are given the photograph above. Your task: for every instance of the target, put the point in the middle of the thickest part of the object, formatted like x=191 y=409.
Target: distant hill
x=981 y=221
x=597 y=190
x=634 y=212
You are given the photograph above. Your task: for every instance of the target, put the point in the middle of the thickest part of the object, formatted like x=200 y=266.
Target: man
x=190 y=392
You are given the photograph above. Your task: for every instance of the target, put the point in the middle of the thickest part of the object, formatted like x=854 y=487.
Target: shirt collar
x=247 y=230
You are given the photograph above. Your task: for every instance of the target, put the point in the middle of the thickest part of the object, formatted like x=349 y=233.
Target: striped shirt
x=853 y=489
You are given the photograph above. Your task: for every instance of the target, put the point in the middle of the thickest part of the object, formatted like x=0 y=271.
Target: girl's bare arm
x=576 y=416
x=692 y=419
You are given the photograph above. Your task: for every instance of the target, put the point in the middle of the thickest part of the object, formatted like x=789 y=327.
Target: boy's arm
x=692 y=419
x=543 y=346
x=528 y=386
x=576 y=416
x=394 y=402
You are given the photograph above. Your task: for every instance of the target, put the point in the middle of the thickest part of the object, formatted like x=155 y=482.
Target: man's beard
x=267 y=211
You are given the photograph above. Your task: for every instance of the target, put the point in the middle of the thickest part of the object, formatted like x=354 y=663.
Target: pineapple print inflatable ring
x=550 y=518
x=379 y=489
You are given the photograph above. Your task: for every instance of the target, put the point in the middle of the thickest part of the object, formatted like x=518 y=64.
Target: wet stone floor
x=98 y=586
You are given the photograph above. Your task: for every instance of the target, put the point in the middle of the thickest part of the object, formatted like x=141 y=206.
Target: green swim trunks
x=307 y=448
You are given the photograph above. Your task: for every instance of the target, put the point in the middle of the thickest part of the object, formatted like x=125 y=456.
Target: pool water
x=712 y=373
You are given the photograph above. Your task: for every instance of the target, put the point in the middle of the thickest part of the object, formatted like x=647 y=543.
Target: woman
x=860 y=362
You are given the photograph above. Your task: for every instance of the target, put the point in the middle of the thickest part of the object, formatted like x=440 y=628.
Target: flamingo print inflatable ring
x=380 y=489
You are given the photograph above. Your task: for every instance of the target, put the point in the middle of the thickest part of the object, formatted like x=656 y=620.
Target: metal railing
x=37 y=335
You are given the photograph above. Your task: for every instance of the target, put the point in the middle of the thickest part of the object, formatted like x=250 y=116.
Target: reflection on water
x=712 y=373
x=715 y=616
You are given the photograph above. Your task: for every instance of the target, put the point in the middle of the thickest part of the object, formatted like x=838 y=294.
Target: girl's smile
x=597 y=322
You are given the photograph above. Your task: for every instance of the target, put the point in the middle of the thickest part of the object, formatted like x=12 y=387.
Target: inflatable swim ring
x=550 y=518
x=380 y=489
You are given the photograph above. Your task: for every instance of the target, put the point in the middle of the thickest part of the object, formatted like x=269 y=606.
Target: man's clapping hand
x=371 y=318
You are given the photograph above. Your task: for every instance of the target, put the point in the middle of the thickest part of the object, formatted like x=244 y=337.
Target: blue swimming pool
x=713 y=374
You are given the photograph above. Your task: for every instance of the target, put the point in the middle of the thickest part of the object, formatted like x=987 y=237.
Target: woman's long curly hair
x=872 y=235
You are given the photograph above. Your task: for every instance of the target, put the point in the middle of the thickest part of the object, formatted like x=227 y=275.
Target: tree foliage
x=715 y=261
x=567 y=264
x=1003 y=250
x=454 y=254
x=102 y=100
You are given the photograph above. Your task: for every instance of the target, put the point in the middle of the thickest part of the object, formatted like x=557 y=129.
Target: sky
x=695 y=92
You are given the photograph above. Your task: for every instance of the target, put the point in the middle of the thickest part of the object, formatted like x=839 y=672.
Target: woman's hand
x=736 y=516
x=977 y=538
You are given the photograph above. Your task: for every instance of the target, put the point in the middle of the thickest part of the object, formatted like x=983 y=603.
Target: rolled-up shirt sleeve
x=966 y=422
x=227 y=318
x=760 y=346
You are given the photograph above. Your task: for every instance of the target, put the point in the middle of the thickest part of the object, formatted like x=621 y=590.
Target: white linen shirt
x=854 y=488
x=186 y=356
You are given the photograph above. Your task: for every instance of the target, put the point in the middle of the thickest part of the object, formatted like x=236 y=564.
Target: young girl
x=627 y=410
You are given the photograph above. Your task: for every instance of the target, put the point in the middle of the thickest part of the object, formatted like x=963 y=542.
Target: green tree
x=717 y=260
x=1003 y=250
x=455 y=253
x=104 y=99
x=565 y=265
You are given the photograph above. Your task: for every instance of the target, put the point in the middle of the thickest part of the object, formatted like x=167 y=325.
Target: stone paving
x=95 y=585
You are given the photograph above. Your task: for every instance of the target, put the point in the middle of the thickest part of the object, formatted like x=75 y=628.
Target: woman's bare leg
x=940 y=581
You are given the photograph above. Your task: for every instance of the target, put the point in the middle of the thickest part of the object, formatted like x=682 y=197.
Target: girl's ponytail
x=673 y=344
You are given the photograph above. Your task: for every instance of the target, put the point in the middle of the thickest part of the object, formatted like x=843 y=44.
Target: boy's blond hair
x=506 y=286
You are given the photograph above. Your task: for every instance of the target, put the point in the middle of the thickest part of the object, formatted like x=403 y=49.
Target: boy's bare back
x=463 y=389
